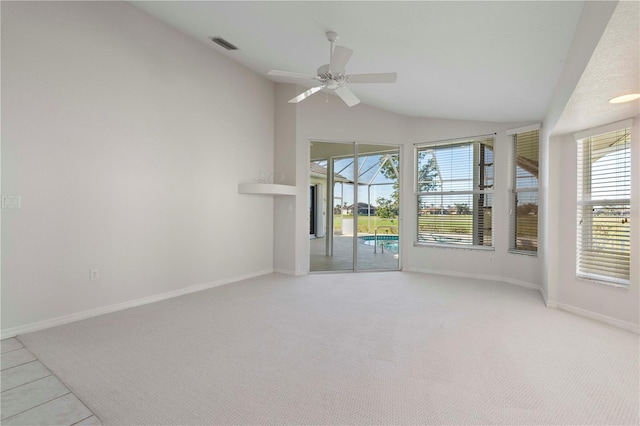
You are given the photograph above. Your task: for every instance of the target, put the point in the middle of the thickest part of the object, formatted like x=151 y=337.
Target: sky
x=381 y=187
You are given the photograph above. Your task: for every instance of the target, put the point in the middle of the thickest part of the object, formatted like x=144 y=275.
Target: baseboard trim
x=520 y=283
x=485 y=277
x=66 y=319
x=625 y=325
x=284 y=271
x=634 y=328
x=548 y=303
x=507 y=280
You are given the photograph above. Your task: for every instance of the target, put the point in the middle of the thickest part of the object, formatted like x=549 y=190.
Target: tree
x=390 y=168
x=428 y=172
x=463 y=209
x=387 y=209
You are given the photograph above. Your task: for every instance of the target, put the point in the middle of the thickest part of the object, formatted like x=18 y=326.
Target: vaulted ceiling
x=486 y=61
x=614 y=70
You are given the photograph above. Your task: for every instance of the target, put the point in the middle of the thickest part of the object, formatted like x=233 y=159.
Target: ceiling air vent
x=224 y=43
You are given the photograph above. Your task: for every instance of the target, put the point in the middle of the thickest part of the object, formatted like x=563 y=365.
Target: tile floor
x=31 y=395
x=342 y=259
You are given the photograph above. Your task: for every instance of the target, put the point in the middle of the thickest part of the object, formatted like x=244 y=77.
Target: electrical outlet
x=491 y=259
x=95 y=274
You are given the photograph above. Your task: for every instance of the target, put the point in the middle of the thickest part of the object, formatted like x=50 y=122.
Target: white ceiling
x=486 y=61
x=614 y=69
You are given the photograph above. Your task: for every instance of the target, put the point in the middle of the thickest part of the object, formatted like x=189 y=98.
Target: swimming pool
x=387 y=241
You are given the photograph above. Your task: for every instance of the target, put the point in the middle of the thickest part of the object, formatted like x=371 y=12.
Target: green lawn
x=446 y=224
x=463 y=224
x=527 y=226
x=458 y=224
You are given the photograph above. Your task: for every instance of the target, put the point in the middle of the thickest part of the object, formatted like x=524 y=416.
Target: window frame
x=583 y=205
x=475 y=172
x=514 y=190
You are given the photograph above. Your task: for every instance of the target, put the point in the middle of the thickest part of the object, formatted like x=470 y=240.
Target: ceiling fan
x=332 y=75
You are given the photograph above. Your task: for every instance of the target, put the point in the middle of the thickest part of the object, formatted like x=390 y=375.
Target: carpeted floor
x=377 y=348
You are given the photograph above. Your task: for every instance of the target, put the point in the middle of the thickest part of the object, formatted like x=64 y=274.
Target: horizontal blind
x=603 y=213
x=458 y=219
x=523 y=218
x=454 y=183
x=524 y=221
x=449 y=168
x=526 y=159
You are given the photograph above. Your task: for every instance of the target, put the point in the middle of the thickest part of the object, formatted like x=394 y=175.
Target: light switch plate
x=11 y=201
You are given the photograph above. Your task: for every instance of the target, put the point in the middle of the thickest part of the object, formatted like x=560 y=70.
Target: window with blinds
x=603 y=208
x=454 y=185
x=523 y=214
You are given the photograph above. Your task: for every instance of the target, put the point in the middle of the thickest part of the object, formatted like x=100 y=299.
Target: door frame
x=330 y=186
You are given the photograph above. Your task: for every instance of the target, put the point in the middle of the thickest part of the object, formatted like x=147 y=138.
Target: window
x=454 y=186
x=604 y=193
x=523 y=211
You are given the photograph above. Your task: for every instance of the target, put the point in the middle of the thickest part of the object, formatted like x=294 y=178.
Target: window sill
x=610 y=283
x=524 y=252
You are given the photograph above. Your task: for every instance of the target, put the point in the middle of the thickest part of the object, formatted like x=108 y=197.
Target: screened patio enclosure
x=354 y=206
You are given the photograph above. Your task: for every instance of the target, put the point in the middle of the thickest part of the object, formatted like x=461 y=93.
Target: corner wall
x=616 y=306
x=593 y=21
x=497 y=264
x=317 y=119
x=285 y=212
x=328 y=119
x=126 y=140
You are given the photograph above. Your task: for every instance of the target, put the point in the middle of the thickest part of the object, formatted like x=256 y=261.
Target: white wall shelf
x=266 y=189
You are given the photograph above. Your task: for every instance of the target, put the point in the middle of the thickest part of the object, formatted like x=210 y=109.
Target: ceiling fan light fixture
x=332 y=75
x=625 y=98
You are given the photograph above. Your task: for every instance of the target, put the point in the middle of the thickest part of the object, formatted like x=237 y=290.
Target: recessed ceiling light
x=625 y=98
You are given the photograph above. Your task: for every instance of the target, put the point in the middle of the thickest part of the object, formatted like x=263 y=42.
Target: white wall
x=329 y=119
x=617 y=306
x=593 y=21
x=491 y=264
x=126 y=140
x=558 y=196
x=318 y=119
x=285 y=212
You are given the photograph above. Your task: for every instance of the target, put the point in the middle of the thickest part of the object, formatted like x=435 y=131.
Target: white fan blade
x=304 y=95
x=388 y=77
x=288 y=74
x=347 y=96
x=339 y=59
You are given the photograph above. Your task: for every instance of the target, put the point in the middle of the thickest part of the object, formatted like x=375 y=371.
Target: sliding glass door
x=378 y=207
x=354 y=207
